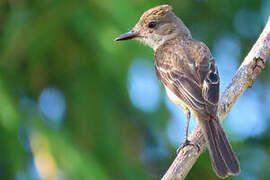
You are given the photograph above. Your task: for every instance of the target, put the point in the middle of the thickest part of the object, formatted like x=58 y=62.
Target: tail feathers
x=223 y=159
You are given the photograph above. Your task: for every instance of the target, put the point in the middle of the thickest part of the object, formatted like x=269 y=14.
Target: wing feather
x=193 y=77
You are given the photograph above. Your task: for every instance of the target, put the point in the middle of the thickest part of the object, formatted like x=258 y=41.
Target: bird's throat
x=155 y=40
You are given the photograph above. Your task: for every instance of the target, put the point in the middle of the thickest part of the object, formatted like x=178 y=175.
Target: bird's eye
x=152 y=24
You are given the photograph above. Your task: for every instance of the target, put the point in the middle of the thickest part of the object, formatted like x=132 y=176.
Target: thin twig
x=251 y=67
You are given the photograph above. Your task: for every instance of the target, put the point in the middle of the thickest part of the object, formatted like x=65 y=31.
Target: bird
x=190 y=76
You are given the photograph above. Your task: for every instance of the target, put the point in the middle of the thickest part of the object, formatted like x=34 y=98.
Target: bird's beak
x=129 y=35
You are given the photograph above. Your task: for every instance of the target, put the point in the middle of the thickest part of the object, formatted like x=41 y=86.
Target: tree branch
x=251 y=67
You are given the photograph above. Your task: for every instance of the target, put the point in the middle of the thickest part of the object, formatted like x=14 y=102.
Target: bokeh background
x=74 y=104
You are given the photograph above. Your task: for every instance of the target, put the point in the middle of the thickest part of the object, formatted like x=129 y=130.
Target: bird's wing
x=208 y=74
x=193 y=77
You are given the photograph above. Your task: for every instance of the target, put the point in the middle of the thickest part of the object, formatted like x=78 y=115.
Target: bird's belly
x=175 y=99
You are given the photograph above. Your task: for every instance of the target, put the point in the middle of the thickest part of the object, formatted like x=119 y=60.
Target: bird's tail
x=224 y=161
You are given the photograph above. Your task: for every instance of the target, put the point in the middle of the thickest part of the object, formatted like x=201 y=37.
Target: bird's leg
x=186 y=141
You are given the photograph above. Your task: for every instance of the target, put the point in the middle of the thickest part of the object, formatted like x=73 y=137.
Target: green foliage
x=68 y=45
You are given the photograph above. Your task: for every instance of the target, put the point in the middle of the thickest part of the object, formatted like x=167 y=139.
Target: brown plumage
x=189 y=73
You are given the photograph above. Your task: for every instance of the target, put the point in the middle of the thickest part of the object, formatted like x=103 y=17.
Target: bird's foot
x=187 y=143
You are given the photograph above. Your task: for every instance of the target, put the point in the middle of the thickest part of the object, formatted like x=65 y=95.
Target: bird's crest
x=156 y=11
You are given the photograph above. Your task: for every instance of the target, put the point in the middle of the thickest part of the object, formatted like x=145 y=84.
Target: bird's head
x=156 y=26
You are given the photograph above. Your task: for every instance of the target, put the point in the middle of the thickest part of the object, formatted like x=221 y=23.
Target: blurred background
x=74 y=104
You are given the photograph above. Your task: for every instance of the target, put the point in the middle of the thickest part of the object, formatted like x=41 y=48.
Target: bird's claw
x=186 y=143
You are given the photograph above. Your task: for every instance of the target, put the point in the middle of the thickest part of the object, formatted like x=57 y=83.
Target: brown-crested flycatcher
x=188 y=71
